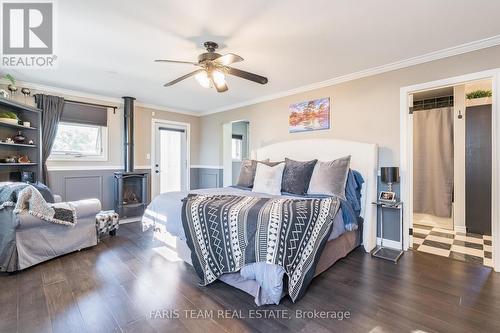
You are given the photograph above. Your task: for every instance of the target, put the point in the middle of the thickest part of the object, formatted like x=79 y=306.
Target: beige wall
x=362 y=110
x=143 y=132
x=142 y=122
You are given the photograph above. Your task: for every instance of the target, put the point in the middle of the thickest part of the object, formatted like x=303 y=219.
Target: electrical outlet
x=153 y=113
x=148 y=156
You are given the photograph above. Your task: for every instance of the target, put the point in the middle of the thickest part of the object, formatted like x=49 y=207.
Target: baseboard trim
x=130 y=220
x=460 y=229
x=390 y=243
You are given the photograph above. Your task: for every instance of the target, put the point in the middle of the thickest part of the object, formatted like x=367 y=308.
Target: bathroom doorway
x=451 y=171
x=235 y=149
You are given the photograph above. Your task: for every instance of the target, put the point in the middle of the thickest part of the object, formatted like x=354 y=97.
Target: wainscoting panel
x=78 y=188
x=209 y=180
x=75 y=185
x=205 y=178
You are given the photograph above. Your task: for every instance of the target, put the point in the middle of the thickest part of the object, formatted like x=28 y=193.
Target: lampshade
x=389 y=174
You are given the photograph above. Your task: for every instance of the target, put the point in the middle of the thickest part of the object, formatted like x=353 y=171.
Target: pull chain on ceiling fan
x=214 y=68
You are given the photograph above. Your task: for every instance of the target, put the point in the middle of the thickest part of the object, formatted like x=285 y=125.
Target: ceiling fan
x=214 y=68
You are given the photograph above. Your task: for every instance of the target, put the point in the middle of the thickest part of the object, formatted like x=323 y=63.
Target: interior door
x=170 y=158
x=478 y=169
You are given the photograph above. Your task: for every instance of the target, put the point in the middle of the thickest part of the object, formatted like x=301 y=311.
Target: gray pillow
x=329 y=178
x=296 y=176
x=247 y=172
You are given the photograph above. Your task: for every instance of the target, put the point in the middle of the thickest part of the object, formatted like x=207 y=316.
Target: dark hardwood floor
x=115 y=286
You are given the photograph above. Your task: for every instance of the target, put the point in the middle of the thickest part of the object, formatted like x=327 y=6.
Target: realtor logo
x=27 y=28
x=28 y=34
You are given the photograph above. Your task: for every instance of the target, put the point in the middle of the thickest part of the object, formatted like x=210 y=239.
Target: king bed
x=166 y=214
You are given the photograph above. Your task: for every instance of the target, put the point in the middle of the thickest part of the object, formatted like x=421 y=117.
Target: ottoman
x=106 y=222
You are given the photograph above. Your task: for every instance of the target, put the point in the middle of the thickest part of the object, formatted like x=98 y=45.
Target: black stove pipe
x=128 y=129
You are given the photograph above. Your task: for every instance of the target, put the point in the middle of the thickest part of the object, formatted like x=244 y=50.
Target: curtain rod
x=114 y=107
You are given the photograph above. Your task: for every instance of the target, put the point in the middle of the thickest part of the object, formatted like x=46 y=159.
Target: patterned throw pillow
x=296 y=176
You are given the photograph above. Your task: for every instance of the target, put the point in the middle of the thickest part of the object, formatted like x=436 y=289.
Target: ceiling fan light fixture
x=218 y=77
x=203 y=80
x=213 y=69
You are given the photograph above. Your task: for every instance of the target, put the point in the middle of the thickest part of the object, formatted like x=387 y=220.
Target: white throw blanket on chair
x=31 y=201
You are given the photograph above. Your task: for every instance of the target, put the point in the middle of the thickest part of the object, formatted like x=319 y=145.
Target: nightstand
x=385 y=252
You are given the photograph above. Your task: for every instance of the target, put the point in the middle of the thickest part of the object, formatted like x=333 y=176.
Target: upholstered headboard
x=364 y=158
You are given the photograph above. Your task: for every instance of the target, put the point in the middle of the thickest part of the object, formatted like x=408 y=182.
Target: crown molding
x=428 y=57
x=118 y=102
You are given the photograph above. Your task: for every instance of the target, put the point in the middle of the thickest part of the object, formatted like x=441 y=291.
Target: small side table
x=385 y=252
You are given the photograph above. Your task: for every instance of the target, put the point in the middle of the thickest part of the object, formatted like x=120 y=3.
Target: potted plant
x=12 y=86
x=9 y=117
x=478 y=97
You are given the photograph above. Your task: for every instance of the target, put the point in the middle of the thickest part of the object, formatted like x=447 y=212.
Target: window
x=237 y=147
x=80 y=141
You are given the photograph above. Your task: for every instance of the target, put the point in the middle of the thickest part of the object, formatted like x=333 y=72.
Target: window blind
x=84 y=114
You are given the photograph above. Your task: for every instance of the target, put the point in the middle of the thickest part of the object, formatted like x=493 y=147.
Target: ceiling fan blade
x=246 y=75
x=228 y=59
x=183 y=77
x=177 y=62
x=221 y=87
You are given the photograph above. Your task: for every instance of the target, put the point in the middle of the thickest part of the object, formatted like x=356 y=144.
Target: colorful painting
x=309 y=116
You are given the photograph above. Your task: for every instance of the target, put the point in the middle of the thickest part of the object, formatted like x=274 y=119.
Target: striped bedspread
x=226 y=232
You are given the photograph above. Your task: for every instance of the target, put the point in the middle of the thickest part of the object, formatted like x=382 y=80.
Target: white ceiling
x=108 y=47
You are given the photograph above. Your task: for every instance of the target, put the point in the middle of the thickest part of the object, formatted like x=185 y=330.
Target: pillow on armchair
x=44 y=191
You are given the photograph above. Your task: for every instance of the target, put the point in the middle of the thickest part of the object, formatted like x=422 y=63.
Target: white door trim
x=227 y=158
x=167 y=123
x=406 y=147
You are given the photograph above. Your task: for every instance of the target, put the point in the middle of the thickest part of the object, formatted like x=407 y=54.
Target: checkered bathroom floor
x=466 y=247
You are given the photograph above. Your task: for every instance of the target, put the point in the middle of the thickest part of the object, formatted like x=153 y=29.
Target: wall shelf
x=17 y=164
x=17 y=145
x=12 y=171
x=21 y=127
x=15 y=106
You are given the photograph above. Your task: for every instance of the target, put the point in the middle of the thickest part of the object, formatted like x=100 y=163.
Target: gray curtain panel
x=52 y=108
x=433 y=161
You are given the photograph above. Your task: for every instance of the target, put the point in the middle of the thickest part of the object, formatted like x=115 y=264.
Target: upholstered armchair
x=26 y=240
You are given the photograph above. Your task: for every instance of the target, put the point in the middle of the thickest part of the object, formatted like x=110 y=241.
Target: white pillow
x=268 y=178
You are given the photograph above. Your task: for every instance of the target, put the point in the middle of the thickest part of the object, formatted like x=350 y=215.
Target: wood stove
x=131 y=188
x=131 y=193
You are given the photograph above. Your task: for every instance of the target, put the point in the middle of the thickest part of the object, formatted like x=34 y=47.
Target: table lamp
x=389 y=176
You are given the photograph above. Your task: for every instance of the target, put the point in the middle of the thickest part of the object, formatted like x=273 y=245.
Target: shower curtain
x=433 y=161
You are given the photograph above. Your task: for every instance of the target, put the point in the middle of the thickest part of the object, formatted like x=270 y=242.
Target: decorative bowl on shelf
x=19 y=137
x=9 y=159
x=24 y=159
x=9 y=121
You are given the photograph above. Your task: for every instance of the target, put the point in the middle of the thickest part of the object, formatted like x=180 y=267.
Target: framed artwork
x=309 y=116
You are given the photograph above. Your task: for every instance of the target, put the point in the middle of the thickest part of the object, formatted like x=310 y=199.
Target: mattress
x=164 y=215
